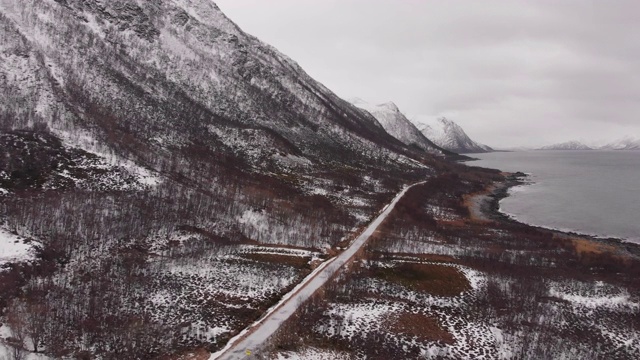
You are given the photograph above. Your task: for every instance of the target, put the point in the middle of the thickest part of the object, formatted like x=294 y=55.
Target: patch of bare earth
x=434 y=279
x=199 y=354
x=298 y=262
x=420 y=326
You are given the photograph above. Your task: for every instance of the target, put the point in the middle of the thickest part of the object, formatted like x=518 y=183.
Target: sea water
x=590 y=192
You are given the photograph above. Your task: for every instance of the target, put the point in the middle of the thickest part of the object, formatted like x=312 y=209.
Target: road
x=249 y=341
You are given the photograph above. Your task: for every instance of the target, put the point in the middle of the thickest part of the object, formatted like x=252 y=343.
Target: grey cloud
x=507 y=71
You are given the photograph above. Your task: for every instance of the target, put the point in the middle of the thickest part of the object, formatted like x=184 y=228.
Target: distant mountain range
x=442 y=134
x=623 y=144
x=627 y=143
x=569 y=145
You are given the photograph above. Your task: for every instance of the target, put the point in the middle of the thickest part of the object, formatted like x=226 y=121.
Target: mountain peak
x=449 y=135
x=390 y=106
x=444 y=120
x=397 y=125
x=569 y=145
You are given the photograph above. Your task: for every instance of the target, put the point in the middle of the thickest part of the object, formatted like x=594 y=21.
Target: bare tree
x=15 y=319
x=27 y=320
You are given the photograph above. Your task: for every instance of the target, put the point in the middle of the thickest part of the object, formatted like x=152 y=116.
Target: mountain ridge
x=624 y=144
x=156 y=146
x=144 y=53
x=569 y=145
x=449 y=135
x=397 y=125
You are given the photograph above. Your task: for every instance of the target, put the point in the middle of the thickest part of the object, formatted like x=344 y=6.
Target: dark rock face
x=124 y=15
x=32 y=161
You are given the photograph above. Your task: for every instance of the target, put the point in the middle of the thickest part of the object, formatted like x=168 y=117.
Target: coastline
x=485 y=206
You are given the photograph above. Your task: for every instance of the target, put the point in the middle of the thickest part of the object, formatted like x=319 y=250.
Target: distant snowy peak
x=569 y=145
x=449 y=135
x=627 y=143
x=397 y=125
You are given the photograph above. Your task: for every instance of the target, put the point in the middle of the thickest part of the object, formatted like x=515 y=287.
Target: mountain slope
x=149 y=80
x=627 y=143
x=569 y=145
x=397 y=125
x=449 y=135
x=162 y=164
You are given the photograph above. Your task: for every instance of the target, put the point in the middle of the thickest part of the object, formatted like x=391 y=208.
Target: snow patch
x=6 y=352
x=14 y=248
x=177 y=46
x=622 y=300
x=256 y=219
x=84 y=141
x=313 y=354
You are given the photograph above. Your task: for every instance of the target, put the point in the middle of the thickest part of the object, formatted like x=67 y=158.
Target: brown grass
x=295 y=261
x=423 y=327
x=437 y=280
x=470 y=202
x=458 y=222
x=584 y=246
x=285 y=246
x=199 y=354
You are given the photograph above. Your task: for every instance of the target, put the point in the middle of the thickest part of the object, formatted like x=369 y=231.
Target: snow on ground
x=618 y=301
x=371 y=313
x=598 y=295
x=236 y=277
x=428 y=244
x=258 y=220
x=274 y=250
x=349 y=320
x=602 y=308
x=346 y=196
x=293 y=161
x=218 y=292
x=14 y=248
x=254 y=335
x=473 y=340
x=313 y=354
x=6 y=352
x=269 y=324
x=85 y=141
x=442 y=213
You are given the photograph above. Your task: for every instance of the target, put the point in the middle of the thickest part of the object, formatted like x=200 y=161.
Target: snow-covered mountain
x=153 y=81
x=569 y=145
x=397 y=125
x=134 y=131
x=628 y=143
x=449 y=135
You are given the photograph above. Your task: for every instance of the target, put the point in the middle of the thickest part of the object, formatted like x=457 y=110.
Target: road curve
x=249 y=341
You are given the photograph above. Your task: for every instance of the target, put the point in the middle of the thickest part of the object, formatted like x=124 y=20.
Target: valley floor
x=448 y=276
x=442 y=276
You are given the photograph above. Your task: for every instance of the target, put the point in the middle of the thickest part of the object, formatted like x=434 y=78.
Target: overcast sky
x=511 y=73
